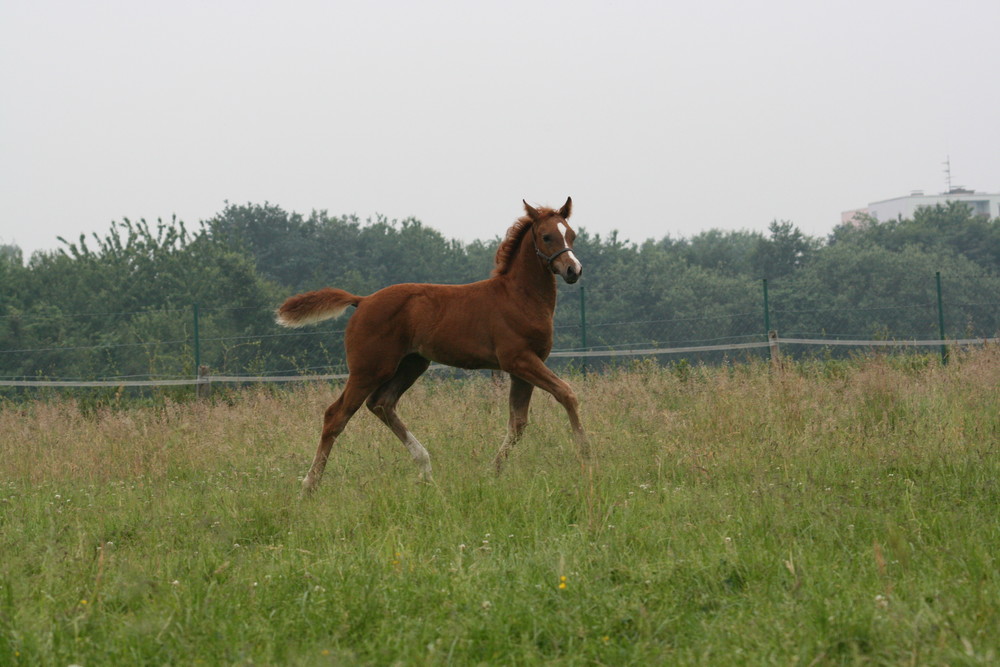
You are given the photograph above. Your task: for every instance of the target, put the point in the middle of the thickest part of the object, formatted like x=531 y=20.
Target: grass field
x=834 y=513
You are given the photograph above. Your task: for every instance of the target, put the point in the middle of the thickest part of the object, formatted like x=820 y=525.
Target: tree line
x=122 y=304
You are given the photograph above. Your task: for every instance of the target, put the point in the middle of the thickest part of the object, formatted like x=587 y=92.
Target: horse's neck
x=531 y=277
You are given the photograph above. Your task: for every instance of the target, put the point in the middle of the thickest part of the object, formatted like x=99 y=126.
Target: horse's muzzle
x=572 y=273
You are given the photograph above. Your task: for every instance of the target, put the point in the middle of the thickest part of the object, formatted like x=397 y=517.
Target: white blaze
x=576 y=263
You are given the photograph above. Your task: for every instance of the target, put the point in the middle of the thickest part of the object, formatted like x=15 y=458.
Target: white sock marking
x=419 y=453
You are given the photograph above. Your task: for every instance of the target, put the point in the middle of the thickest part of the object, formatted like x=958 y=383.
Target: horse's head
x=553 y=239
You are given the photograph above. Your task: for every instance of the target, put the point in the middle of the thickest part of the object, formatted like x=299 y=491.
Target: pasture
x=838 y=512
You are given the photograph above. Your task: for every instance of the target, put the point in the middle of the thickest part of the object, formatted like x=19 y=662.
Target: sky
x=658 y=118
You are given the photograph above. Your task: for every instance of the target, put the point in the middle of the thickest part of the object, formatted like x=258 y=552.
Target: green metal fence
x=196 y=344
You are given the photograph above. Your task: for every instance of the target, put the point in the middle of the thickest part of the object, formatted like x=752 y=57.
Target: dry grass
x=694 y=415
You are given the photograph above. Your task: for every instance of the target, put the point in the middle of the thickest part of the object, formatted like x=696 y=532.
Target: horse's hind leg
x=334 y=421
x=383 y=404
x=520 y=397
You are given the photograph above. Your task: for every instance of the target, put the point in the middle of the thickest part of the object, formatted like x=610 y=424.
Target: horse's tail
x=312 y=307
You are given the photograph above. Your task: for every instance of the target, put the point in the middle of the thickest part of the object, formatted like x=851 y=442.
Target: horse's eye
x=546 y=238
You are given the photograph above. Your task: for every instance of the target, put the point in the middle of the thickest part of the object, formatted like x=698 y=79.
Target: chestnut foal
x=504 y=323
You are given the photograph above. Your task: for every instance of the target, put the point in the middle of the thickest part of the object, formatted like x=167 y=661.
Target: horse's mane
x=509 y=245
x=512 y=241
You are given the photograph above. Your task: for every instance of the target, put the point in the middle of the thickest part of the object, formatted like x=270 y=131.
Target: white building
x=890 y=209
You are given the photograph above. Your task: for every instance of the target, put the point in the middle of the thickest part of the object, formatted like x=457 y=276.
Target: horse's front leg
x=520 y=398
x=531 y=369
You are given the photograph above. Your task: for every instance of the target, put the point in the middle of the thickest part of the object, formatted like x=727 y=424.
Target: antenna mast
x=947 y=173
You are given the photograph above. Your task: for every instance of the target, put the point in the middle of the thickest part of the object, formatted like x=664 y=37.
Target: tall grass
x=832 y=513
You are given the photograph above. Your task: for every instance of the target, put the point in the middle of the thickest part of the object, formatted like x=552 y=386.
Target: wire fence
x=198 y=346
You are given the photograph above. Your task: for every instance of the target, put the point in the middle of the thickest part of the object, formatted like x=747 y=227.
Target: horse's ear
x=532 y=213
x=567 y=208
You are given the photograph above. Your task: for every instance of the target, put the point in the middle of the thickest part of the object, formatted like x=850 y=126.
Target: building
x=904 y=207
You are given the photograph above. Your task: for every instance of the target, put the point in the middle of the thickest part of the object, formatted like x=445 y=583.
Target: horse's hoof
x=308 y=487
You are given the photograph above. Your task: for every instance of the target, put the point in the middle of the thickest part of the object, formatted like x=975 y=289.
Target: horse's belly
x=458 y=357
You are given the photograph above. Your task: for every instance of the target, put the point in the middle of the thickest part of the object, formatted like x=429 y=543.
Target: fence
x=201 y=346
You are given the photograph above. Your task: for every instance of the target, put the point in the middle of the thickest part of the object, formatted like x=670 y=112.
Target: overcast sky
x=657 y=117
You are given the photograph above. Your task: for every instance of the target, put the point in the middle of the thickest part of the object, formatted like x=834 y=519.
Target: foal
x=502 y=323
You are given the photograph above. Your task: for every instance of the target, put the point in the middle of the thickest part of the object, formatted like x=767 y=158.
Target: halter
x=551 y=258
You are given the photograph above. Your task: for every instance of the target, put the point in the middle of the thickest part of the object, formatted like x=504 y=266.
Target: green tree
x=650 y=293
x=950 y=227
x=122 y=303
x=732 y=253
x=287 y=248
x=862 y=291
x=307 y=253
x=785 y=251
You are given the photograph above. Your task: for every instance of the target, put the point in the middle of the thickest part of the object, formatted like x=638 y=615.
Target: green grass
x=836 y=513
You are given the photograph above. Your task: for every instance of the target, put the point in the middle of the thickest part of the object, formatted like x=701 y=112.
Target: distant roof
x=960 y=193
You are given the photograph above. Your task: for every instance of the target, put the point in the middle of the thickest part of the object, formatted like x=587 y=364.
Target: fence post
x=203 y=389
x=772 y=348
x=940 y=309
x=583 y=326
x=767 y=319
x=197 y=344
